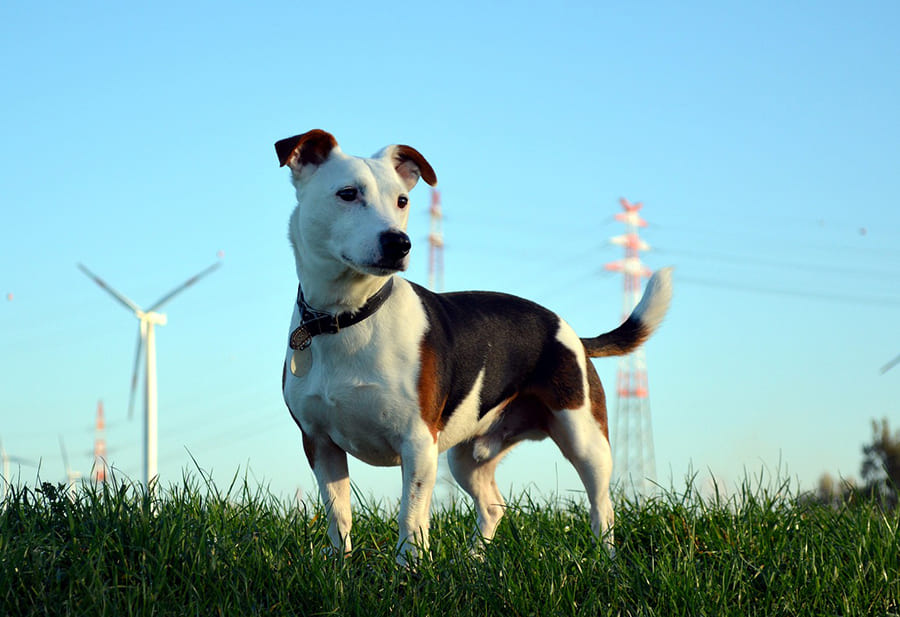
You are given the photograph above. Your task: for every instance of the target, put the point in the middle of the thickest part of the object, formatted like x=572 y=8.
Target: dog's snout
x=395 y=245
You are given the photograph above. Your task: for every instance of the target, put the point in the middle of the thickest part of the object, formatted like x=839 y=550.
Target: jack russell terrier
x=385 y=370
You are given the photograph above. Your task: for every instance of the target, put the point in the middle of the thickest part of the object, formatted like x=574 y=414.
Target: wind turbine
x=146 y=342
x=5 y=460
x=72 y=477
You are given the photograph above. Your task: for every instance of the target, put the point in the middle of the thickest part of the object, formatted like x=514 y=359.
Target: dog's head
x=349 y=209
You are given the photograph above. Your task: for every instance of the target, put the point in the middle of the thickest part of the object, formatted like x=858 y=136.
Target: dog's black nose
x=395 y=245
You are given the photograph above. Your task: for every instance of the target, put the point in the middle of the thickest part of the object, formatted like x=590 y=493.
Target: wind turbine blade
x=137 y=366
x=183 y=286
x=24 y=461
x=16 y=459
x=115 y=294
x=65 y=456
x=890 y=365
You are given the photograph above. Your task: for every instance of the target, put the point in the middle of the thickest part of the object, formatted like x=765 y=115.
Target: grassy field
x=199 y=551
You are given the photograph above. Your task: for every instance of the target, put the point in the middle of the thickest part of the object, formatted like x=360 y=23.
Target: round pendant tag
x=301 y=361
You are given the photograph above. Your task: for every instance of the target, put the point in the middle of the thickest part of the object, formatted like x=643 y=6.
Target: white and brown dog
x=387 y=371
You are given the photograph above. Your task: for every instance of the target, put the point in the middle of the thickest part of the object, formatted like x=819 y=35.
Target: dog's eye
x=348 y=194
x=402 y=201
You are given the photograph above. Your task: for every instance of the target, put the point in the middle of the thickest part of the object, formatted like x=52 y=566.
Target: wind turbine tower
x=146 y=342
x=632 y=432
x=5 y=473
x=72 y=476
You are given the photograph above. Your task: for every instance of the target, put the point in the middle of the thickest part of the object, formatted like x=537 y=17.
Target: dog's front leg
x=419 y=461
x=329 y=464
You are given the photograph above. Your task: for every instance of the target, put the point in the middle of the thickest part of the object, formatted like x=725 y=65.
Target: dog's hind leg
x=476 y=477
x=584 y=444
x=578 y=425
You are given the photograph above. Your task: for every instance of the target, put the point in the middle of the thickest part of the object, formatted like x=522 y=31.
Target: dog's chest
x=358 y=387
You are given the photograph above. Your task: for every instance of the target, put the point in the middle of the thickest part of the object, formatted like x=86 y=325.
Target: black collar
x=313 y=321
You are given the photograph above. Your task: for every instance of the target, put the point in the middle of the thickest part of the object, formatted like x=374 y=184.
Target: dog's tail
x=642 y=322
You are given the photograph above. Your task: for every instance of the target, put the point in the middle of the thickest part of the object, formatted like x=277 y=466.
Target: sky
x=762 y=139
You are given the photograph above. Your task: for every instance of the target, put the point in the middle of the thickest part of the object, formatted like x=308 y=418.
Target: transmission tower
x=99 y=472
x=446 y=483
x=436 y=245
x=632 y=433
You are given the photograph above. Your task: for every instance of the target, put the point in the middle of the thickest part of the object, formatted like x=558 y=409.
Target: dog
x=393 y=374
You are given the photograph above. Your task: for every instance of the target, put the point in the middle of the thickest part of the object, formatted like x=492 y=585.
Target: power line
x=743 y=233
x=781 y=264
x=236 y=434
x=827 y=296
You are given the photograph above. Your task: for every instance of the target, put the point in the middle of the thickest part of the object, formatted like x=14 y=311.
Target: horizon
x=760 y=139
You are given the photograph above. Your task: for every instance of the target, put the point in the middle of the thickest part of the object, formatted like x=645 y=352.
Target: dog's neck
x=331 y=286
x=343 y=291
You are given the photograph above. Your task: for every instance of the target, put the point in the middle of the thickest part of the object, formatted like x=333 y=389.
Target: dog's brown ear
x=311 y=148
x=411 y=165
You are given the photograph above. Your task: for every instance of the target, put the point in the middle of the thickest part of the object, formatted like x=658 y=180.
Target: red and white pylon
x=436 y=244
x=99 y=472
x=634 y=460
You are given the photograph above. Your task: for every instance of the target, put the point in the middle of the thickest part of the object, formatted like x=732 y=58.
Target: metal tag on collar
x=300 y=338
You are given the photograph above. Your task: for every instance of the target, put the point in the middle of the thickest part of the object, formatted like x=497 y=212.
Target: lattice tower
x=436 y=244
x=634 y=460
x=99 y=472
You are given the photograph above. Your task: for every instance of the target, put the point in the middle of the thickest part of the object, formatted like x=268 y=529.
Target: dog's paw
x=330 y=552
x=476 y=553
x=409 y=555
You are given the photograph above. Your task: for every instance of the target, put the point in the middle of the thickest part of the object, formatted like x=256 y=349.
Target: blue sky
x=761 y=137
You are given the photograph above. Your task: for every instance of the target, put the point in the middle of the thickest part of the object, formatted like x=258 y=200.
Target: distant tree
x=881 y=464
x=832 y=492
x=827 y=491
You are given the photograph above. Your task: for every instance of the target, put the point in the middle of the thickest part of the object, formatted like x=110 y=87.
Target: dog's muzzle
x=395 y=247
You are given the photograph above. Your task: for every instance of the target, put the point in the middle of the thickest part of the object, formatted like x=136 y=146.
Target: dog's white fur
x=356 y=391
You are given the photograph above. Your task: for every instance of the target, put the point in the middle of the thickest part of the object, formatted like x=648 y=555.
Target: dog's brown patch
x=431 y=403
x=311 y=148
x=408 y=153
x=598 y=398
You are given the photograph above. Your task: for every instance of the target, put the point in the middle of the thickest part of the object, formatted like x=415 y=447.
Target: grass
x=198 y=551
